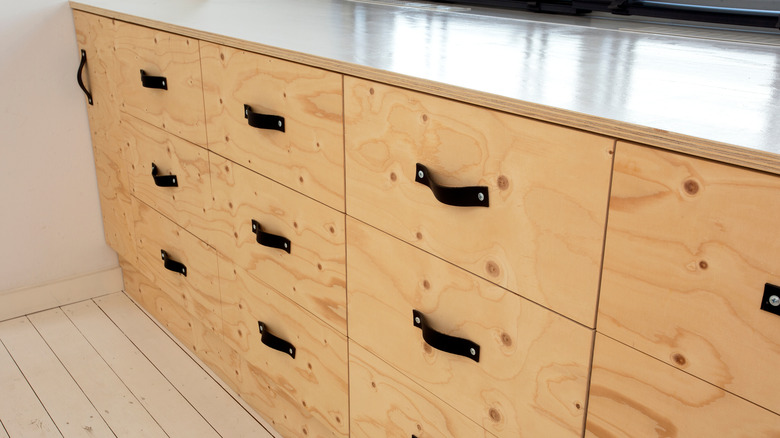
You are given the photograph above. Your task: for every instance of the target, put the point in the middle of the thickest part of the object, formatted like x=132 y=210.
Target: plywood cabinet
x=360 y=259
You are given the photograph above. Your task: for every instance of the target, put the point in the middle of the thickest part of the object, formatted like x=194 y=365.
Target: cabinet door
x=95 y=36
x=691 y=247
x=387 y=403
x=159 y=80
x=526 y=376
x=634 y=395
x=539 y=227
x=303 y=147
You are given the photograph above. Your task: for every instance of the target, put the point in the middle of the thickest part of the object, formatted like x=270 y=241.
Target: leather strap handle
x=263 y=121
x=163 y=180
x=78 y=76
x=475 y=196
x=158 y=82
x=274 y=342
x=173 y=265
x=446 y=343
x=270 y=240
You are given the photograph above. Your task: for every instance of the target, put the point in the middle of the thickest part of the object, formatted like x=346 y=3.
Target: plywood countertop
x=709 y=98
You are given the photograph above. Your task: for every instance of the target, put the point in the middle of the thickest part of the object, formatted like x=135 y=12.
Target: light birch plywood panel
x=167 y=308
x=543 y=232
x=177 y=109
x=690 y=246
x=21 y=412
x=198 y=290
x=65 y=402
x=532 y=375
x=172 y=411
x=634 y=395
x=309 y=155
x=384 y=402
x=316 y=377
x=95 y=35
x=313 y=274
x=205 y=394
x=146 y=145
x=121 y=410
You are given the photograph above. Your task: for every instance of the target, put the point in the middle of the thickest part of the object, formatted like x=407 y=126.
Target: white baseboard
x=19 y=302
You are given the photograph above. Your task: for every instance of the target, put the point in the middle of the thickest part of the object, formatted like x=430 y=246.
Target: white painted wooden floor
x=104 y=368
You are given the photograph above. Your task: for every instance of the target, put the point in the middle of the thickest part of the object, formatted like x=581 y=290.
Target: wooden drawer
x=690 y=247
x=634 y=395
x=176 y=61
x=198 y=290
x=177 y=162
x=386 y=403
x=314 y=374
x=166 y=308
x=547 y=186
x=531 y=378
x=308 y=155
x=313 y=273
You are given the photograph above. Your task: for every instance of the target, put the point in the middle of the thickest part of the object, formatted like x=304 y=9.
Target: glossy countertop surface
x=712 y=98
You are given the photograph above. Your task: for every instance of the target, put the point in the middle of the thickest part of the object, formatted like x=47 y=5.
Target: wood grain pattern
x=279 y=408
x=387 y=403
x=198 y=291
x=690 y=245
x=314 y=273
x=317 y=377
x=95 y=35
x=634 y=395
x=542 y=234
x=531 y=379
x=186 y=204
x=179 y=109
x=166 y=307
x=309 y=155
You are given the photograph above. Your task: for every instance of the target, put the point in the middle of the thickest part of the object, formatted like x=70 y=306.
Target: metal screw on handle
x=774 y=300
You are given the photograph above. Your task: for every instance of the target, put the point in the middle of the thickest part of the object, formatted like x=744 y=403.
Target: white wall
x=50 y=223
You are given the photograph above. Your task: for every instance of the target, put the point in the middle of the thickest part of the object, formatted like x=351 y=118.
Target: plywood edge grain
x=710 y=149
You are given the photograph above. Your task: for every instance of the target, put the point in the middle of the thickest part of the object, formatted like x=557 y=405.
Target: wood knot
x=425 y=117
x=503 y=182
x=506 y=339
x=373 y=384
x=494 y=415
x=427 y=348
x=222 y=56
x=703 y=264
x=691 y=187
x=578 y=406
x=419 y=235
x=492 y=268
x=679 y=359
x=371 y=91
x=393 y=176
x=426 y=284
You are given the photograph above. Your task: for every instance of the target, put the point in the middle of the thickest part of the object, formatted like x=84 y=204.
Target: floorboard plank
x=67 y=405
x=161 y=399
x=214 y=403
x=119 y=408
x=21 y=413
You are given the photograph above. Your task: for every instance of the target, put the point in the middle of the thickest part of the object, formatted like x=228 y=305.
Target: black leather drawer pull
x=78 y=77
x=272 y=341
x=163 y=180
x=173 y=265
x=446 y=343
x=770 y=302
x=263 y=121
x=474 y=196
x=158 y=82
x=270 y=240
